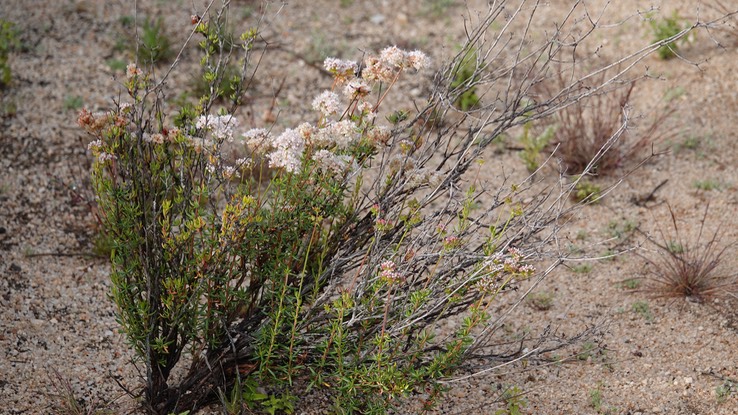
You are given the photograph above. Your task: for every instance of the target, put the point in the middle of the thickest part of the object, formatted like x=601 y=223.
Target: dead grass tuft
x=692 y=270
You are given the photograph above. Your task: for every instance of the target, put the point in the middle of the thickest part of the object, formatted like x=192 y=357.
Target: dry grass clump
x=65 y=401
x=596 y=133
x=691 y=269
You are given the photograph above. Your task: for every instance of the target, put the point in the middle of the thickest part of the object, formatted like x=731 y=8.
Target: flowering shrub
x=328 y=255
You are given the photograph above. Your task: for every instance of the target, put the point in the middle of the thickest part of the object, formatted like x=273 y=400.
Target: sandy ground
x=652 y=355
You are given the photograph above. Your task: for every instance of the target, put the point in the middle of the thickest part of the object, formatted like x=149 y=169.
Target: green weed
x=464 y=81
x=642 y=308
x=583 y=268
x=542 y=300
x=8 y=42
x=73 y=102
x=707 y=185
x=664 y=29
x=514 y=402
x=587 y=191
x=595 y=399
x=155 y=47
x=631 y=283
x=534 y=145
x=725 y=390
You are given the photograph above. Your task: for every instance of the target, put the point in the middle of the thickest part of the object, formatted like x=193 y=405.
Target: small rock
x=377 y=19
x=37 y=322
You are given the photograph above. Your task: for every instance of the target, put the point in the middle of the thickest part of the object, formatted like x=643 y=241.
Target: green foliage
x=116 y=65
x=583 y=268
x=586 y=191
x=725 y=390
x=8 y=42
x=542 y=300
x=631 y=283
x=621 y=229
x=642 y=308
x=595 y=399
x=226 y=86
x=245 y=396
x=73 y=102
x=514 y=402
x=675 y=247
x=437 y=8
x=586 y=351
x=102 y=245
x=464 y=81
x=707 y=185
x=532 y=146
x=155 y=47
x=398 y=116
x=664 y=29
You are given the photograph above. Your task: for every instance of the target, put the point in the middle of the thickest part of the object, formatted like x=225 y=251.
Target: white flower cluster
x=340 y=68
x=220 y=126
x=339 y=134
x=258 y=140
x=334 y=163
x=327 y=103
x=287 y=153
x=423 y=176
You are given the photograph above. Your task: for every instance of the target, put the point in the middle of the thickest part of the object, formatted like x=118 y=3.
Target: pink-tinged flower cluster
x=376 y=70
x=95 y=145
x=103 y=157
x=156 y=138
x=95 y=123
x=132 y=71
x=383 y=225
x=501 y=268
x=220 y=126
x=356 y=88
x=417 y=60
x=391 y=60
x=287 y=153
x=451 y=242
x=389 y=274
x=326 y=103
